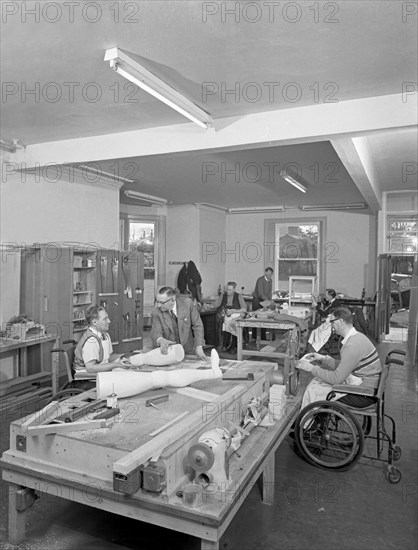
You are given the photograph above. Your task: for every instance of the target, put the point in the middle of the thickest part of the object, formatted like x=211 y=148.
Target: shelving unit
x=84 y=288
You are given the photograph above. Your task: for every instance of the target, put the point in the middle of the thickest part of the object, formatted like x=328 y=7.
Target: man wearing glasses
x=176 y=320
x=359 y=364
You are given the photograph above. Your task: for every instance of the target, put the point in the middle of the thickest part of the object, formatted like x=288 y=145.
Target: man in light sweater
x=359 y=364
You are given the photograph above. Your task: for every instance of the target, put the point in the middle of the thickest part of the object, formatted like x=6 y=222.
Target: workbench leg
x=268 y=481
x=209 y=545
x=17 y=518
x=239 y=343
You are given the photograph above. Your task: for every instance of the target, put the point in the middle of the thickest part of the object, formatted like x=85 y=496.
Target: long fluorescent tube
x=256 y=209
x=101 y=173
x=293 y=181
x=348 y=206
x=139 y=75
x=145 y=198
x=212 y=206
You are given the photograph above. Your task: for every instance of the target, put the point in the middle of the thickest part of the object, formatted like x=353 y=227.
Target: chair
x=71 y=386
x=328 y=433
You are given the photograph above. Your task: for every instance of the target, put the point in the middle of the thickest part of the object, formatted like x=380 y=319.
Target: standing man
x=263 y=288
x=359 y=365
x=175 y=320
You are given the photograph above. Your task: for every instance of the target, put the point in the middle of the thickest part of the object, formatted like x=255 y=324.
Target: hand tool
x=157 y=399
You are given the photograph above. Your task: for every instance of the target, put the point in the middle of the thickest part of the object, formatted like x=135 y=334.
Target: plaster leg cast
x=126 y=383
x=155 y=358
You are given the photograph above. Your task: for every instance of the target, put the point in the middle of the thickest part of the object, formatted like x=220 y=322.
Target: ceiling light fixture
x=256 y=209
x=293 y=181
x=139 y=75
x=212 y=206
x=150 y=199
x=100 y=173
x=348 y=206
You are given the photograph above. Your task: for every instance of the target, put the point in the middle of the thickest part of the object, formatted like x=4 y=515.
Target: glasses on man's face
x=162 y=302
x=333 y=320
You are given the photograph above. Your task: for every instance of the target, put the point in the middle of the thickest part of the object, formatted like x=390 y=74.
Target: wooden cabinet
x=58 y=284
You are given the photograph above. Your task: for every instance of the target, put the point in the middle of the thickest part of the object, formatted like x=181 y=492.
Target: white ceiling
x=339 y=51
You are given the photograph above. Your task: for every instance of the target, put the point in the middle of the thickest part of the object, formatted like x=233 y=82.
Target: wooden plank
x=43 y=416
x=9 y=385
x=173 y=421
x=196 y=393
x=66 y=427
x=133 y=460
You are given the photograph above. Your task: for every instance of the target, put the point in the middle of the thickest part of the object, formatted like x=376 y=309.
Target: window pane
x=142 y=238
x=288 y=268
x=297 y=241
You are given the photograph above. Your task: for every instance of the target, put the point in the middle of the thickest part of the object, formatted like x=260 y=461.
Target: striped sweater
x=358 y=357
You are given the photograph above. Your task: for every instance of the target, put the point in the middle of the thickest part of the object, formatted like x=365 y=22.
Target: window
x=401 y=234
x=297 y=253
x=147 y=234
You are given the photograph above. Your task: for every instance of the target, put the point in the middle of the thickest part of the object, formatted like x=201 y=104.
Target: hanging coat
x=189 y=279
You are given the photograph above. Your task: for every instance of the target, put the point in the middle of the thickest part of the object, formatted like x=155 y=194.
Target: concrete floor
x=313 y=509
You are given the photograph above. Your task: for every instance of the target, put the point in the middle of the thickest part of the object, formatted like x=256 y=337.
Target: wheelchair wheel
x=393 y=475
x=328 y=436
x=65 y=394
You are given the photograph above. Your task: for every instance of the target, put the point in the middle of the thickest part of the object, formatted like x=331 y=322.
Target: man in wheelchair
x=359 y=364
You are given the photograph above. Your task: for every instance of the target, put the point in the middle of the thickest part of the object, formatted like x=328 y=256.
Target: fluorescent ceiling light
x=139 y=75
x=213 y=206
x=256 y=209
x=100 y=173
x=150 y=199
x=293 y=181
x=348 y=206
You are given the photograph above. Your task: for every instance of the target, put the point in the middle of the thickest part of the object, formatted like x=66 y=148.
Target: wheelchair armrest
x=397 y=351
x=354 y=390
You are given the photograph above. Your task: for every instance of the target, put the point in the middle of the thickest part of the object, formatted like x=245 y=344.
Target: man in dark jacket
x=175 y=320
x=263 y=288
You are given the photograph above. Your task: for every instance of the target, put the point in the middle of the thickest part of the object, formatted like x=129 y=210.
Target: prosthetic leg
x=126 y=383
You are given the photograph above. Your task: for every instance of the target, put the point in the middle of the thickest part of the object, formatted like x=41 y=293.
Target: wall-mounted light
x=130 y=69
x=348 y=206
x=149 y=199
x=256 y=209
x=293 y=181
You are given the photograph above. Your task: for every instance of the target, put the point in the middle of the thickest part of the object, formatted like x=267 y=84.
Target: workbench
x=21 y=347
x=286 y=344
x=78 y=466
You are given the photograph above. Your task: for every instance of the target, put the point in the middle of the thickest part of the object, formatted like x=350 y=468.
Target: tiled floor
x=313 y=509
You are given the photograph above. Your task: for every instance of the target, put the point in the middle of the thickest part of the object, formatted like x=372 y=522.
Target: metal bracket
x=21 y=443
x=25 y=498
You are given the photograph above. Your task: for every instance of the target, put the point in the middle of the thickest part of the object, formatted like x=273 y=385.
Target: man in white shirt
x=94 y=351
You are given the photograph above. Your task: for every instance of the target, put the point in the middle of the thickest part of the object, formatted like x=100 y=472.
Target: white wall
x=349 y=249
x=44 y=211
x=192 y=233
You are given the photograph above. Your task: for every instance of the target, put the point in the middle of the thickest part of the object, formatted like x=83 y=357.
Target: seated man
x=327 y=304
x=230 y=306
x=359 y=364
x=175 y=320
x=94 y=351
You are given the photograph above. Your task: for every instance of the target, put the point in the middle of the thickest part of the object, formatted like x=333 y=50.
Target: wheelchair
x=71 y=387
x=329 y=435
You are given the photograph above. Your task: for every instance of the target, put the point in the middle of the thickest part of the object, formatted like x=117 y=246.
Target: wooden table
x=295 y=343
x=62 y=463
x=8 y=345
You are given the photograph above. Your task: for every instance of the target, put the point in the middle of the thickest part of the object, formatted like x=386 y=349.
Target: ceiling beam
x=272 y=128
x=355 y=155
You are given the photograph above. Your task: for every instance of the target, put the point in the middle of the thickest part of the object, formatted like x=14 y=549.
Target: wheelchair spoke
x=328 y=436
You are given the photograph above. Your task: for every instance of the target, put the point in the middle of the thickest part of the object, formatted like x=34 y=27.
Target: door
x=383 y=305
x=131 y=311
x=413 y=314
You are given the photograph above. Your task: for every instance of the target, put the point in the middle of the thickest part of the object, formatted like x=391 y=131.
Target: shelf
x=80 y=329
x=82 y=304
x=82 y=292
x=87 y=268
